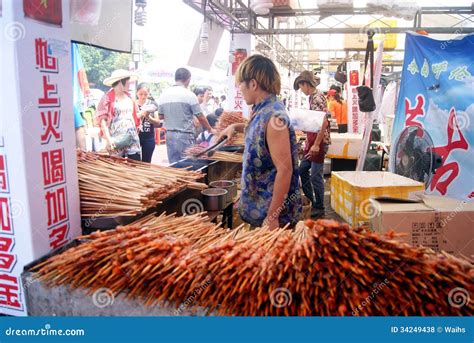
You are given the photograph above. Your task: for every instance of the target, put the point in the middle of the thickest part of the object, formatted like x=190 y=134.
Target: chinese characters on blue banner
x=437 y=95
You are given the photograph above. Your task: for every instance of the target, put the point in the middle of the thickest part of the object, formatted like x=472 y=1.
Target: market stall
x=94 y=234
x=185 y=265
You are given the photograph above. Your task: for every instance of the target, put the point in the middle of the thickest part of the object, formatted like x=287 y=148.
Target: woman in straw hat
x=118 y=118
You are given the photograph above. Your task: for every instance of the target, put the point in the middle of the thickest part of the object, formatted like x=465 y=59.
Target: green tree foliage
x=99 y=63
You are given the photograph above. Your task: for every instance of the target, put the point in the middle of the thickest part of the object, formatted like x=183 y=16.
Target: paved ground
x=330 y=214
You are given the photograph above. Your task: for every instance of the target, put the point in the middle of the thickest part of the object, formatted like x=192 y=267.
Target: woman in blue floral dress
x=270 y=188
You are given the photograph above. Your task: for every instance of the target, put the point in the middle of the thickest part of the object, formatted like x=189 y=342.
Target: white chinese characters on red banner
x=52 y=158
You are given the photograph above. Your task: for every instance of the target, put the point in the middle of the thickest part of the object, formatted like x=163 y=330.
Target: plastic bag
x=306 y=120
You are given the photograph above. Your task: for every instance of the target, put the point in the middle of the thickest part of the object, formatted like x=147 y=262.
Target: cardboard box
x=345 y=145
x=351 y=191
x=439 y=223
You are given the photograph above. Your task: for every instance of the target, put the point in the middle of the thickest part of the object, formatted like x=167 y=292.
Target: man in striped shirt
x=179 y=106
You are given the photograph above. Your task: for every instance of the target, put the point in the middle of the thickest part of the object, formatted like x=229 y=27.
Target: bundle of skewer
x=113 y=186
x=237 y=139
x=224 y=156
x=228 y=118
x=320 y=268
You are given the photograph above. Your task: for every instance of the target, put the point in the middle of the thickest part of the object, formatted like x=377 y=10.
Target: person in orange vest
x=338 y=108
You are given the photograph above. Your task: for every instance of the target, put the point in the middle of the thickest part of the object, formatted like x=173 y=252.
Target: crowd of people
x=272 y=169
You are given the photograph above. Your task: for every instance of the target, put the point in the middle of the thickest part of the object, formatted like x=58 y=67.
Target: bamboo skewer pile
x=321 y=268
x=113 y=186
x=216 y=156
x=237 y=139
x=228 y=118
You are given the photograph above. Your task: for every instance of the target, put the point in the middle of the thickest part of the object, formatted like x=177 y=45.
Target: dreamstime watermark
x=377 y=288
x=445 y=44
x=103 y=297
x=17 y=208
x=282 y=121
x=89 y=221
x=281 y=297
x=461 y=122
x=192 y=206
x=453 y=214
x=31 y=280
x=367 y=209
x=294 y=197
x=105 y=28
x=365 y=30
x=46 y=331
x=458 y=297
x=190 y=300
x=14 y=31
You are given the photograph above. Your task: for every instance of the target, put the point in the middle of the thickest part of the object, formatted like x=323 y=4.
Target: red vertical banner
x=353 y=114
x=45 y=11
x=239 y=56
x=234 y=97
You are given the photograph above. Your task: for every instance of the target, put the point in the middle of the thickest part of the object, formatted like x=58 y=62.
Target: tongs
x=210 y=151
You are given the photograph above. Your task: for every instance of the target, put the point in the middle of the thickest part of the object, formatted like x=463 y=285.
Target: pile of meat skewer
x=320 y=268
x=114 y=186
x=217 y=155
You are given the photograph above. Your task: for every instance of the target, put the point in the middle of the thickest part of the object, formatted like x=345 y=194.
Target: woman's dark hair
x=123 y=81
x=336 y=88
x=212 y=119
x=218 y=112
x=182 y=74
x=262 y=70
x=143 y=85
x=199 y=91
x=338 y=98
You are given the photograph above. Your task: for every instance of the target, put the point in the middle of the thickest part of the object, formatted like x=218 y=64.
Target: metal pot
x=215 y=199
x=230 y=186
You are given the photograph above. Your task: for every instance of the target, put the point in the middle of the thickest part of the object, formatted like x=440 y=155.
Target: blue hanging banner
x=437 y=101
x=80 y=86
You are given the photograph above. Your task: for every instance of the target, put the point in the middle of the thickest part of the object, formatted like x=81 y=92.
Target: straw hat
x=306 y=76
x=118 y=75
